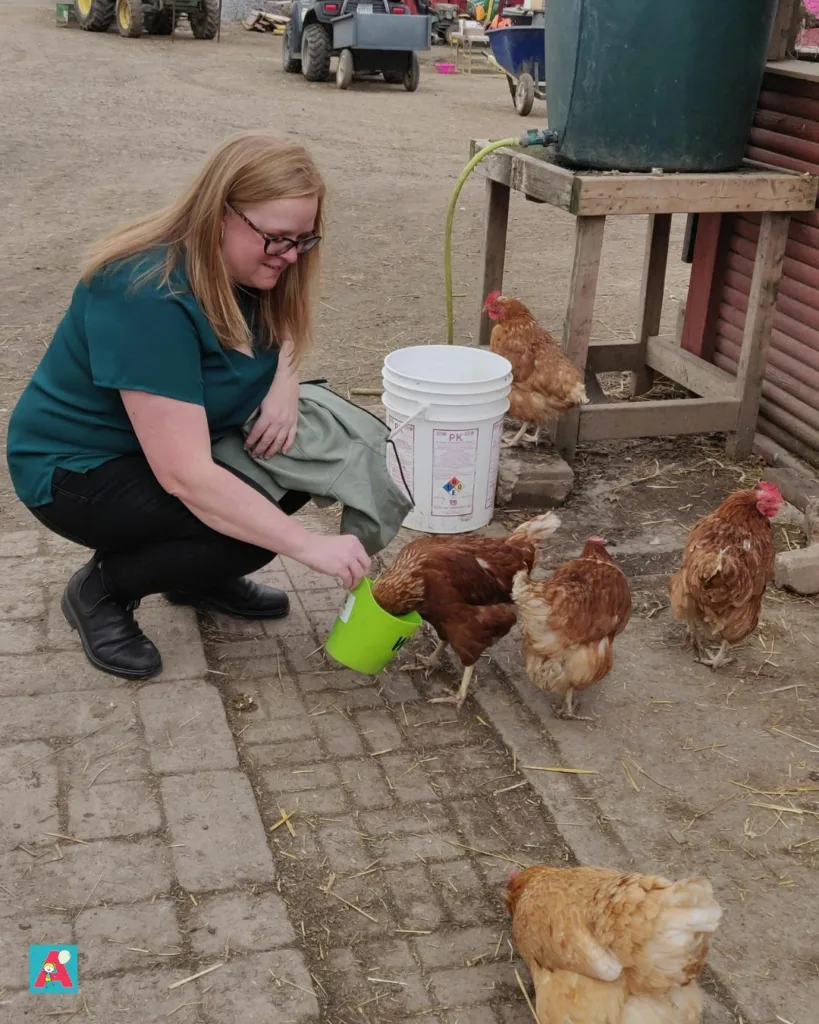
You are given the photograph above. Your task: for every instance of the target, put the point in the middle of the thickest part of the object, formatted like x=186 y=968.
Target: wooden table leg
x=577 y=326
x=496 y=219
x=753 y=357
x=652 y=293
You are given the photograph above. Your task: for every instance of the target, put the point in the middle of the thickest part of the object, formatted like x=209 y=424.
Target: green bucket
x=364 y=637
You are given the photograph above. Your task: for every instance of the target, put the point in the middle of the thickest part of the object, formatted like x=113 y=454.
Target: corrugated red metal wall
x=785 y=134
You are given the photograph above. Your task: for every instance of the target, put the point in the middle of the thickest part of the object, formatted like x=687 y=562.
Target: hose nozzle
x=538 y=137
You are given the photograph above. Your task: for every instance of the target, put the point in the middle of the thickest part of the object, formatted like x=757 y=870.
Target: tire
x=94 y=15
x=316 y=50
x=205 y=22
x=393 y=77
x=525 y=95
x=412 y=76
x=291 y=64
x=345 y=69
x=130 y=18
x=159 y=23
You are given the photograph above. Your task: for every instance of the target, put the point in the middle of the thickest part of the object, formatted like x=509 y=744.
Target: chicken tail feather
x=682 y=1005
x=535 y=531
x=688 y=913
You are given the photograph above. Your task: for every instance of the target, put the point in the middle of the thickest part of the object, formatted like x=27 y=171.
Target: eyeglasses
x=278 y=245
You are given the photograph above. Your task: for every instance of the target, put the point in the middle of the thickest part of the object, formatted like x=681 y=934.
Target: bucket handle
x=410 y=419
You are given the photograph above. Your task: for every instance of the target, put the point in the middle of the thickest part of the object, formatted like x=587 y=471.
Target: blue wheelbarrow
x=520 y=52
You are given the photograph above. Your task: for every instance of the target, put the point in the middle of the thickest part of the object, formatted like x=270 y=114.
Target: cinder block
x=798 y=570
x=539 y=479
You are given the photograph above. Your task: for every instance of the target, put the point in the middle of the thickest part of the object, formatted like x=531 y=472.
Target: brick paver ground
x=138 y=822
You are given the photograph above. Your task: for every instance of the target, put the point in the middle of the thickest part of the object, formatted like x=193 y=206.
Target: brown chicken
x=569 y=622
x=727 y=562
x=462 y=587
x=545 y=383
x=607 y=948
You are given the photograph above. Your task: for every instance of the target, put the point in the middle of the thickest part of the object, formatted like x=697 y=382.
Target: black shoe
x=110 y=637
x=242 y=598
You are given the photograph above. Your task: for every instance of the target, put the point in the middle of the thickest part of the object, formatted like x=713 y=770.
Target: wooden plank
x=617 y=420
x=807 y=70
x=534 y=176
x=738 y=191
x=785 y=29
x=704 y=285
x=652 y=293
x=773 y=237
x=703 y=378
x=579 y=314
x=496 y=219
x=612 y=356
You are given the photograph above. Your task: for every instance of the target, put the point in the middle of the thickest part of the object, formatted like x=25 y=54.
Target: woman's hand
x=343 y=557
x=275 y=427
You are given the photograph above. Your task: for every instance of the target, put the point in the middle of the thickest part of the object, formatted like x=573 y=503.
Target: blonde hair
x=251 y=168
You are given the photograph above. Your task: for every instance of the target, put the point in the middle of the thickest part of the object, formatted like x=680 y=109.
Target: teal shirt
x=155 y=339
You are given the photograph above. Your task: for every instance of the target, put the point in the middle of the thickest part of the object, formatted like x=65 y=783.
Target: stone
x=28 y=793
x=107 y=809
x=20 y=544
x=260 y=989
x=245 y=923
x=218 y=838
x=19 y=637
x=21 y=602
x=458 y=948
x=466 y=986
x=406 y=778
x=380 y=731
x=139 y=997
x=18 y=930
x=175 y=631
x=185 y=727
x=339 y=736
x=798 y=570
x=50 y=672
x=42 y=717
x=109 y=938
x=366 y=783
x=797 y=488
x=538 y=479
x=296 y=780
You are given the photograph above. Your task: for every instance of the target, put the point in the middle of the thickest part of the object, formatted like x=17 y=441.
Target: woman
x=184 y=324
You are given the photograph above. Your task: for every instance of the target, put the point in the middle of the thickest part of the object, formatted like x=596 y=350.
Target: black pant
x=148 y=540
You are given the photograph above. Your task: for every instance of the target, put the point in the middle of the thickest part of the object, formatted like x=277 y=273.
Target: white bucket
x=445 y=407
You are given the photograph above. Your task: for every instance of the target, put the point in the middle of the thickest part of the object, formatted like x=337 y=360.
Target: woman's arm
x=175 y=439
x=275 y=426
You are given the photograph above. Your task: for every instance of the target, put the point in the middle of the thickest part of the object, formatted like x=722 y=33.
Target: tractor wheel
x=412 y=76
x=130 y=18
x=291 y=64
x=159 y=23
x=205 y=22
x=525 y=94
x=394 y=77
x=316 y=49
x=94 y=15
x=345 y=69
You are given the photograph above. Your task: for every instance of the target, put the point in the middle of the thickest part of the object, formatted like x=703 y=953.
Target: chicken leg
x=458 y=698
x=428 y=663
x=516 y=440
x=714 y=661
x=566 y=709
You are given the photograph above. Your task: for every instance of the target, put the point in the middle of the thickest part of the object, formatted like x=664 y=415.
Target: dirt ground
x=695 y=771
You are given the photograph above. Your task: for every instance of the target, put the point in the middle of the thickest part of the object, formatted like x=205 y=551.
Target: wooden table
x=724 y=403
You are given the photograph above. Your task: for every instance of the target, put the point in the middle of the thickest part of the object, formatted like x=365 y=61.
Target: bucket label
x=454 y=457
x=347 y=610
x=494 y=462
x=404 y=442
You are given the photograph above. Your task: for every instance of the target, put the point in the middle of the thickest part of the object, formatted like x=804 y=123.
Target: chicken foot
x=519 y=437
x=458 y=698
x=715 y=661
x=566 y=710
x=427 y=663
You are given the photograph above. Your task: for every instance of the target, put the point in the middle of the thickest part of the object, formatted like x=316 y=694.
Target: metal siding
x=785 y=133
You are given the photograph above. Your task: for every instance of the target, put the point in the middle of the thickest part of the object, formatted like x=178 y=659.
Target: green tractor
x=156 y=17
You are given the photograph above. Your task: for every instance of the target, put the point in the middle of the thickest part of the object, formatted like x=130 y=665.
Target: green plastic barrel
x=637 y=84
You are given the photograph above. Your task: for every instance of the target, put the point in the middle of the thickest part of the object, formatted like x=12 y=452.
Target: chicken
x=607 y=948
x=570 y=620
x=545 y=383
x=462 y=587
x=727 y=562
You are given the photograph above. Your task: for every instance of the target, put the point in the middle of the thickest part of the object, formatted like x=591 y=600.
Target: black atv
x=376 y=37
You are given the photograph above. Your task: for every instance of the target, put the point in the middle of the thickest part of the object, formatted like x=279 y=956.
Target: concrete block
x=798 y=570
x=539 y=479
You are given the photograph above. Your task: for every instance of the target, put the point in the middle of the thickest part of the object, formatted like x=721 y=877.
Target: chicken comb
x=491 y=299
x=598 y=540
x=766 y=485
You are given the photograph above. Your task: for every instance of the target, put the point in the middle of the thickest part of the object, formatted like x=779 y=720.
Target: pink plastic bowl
x=445 y=68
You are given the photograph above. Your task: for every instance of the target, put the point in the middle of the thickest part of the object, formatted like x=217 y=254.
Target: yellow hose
x=450 y=213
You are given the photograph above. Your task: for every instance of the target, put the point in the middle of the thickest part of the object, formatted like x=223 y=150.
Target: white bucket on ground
x=445 y=406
